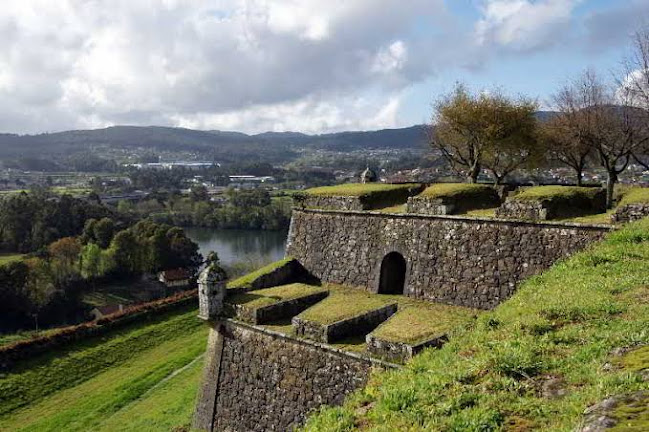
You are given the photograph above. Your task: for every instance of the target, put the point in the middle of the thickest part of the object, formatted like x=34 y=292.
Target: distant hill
x=218 y=145
x=222 y=146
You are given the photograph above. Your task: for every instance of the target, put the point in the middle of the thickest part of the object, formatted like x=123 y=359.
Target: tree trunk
x=610 y=188
x=580 y=177
x=474 y=171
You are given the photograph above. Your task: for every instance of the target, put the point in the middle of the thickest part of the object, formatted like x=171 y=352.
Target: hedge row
x=11 y=353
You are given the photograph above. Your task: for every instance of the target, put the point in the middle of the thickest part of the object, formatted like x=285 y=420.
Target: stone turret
x=211 y=289
x=368 y=176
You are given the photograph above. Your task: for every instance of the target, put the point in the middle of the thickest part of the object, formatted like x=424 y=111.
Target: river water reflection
x=240 y=246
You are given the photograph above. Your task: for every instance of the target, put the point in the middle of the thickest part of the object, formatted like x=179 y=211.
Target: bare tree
x=484 y=130
x=598 y=117
x=565 y=136
x=633 y=94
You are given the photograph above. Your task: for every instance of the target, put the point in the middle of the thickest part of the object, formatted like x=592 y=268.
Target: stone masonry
x=449 y=259
x=258 y=380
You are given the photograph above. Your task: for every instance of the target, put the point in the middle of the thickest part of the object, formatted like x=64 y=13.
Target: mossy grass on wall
x=553 y=202
x=357 y=196
x=635 y=196
x=343 y=303
x=7 y=258
x=357 y=189
x=453 y=198
x=555 y=193
x=421 y=321
x=269 y=296
x=456 y=190
x=561 y=327
x=247 y=280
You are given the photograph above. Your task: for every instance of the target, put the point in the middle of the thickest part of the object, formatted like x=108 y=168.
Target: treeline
x=247 y=209
x=47 y=289
x=595 y=123
x=30 y=221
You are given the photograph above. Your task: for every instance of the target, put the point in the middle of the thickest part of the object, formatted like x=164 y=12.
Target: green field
x=140 y=378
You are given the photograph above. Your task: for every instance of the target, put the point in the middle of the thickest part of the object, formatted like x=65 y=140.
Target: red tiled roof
x=109 y=309
x=175 y=274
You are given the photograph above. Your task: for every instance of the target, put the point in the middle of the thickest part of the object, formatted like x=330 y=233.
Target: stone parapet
x=474 y=262
x=357 y=325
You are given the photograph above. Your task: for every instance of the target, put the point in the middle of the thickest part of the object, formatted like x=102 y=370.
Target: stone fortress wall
x=449 y=259
x=259 y=380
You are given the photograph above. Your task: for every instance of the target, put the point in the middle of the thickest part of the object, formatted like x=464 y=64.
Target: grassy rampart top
x=249 y=278
x=456 y=190
x=536 y=362
x=267 y=296
x=357 y=189
x=635 y=196
x=555 y=193
x=420 y=322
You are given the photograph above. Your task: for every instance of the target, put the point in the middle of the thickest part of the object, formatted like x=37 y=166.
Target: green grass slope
x=144 y=377
x=498 y=374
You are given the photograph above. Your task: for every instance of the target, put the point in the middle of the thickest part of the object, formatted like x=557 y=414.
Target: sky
x=313 y=66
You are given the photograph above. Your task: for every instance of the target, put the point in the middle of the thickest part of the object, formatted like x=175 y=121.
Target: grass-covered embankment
x=7 y=258
x=557 y=332
x=357 y=189
x=143 y=377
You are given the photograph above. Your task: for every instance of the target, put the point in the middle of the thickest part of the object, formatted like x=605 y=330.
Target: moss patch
x=635 y=360
x=418 y=323
x=268 y=296
x=401 y=208
x=357 y=189
x=456 y=191
x=344 y=303
x=482 y=213
x=635 y=196
x=246 y=280
x=632 y=416
x=599 y=218
x=7 y=258
x=555 y=193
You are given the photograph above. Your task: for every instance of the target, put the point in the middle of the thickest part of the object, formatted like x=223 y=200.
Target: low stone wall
x=278 y=311
x=449 y=259
x=400 y=352
x=332 y=202
x=630 y=213
x=449 y=205
x=547 y=210
x=258 y=380
x=374 y=200
x=358 y=325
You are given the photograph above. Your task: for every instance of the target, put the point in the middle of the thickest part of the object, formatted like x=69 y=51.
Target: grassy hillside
x=141 y=378
x=534 y=363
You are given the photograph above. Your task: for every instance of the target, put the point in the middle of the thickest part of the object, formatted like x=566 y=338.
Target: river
x=236 y=247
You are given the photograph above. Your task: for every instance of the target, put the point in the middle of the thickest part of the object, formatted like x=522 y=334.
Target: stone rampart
x=259 y=380
x=449 y=259
x=631 y=212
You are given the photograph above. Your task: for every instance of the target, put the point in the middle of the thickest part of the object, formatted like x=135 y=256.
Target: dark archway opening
x=393 y=274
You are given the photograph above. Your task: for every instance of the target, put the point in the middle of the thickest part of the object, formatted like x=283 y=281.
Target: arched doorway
x=393 y=274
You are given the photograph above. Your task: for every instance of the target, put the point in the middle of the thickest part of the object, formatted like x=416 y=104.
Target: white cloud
x=87 y=63
x=524 y=24
x=309 y=115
